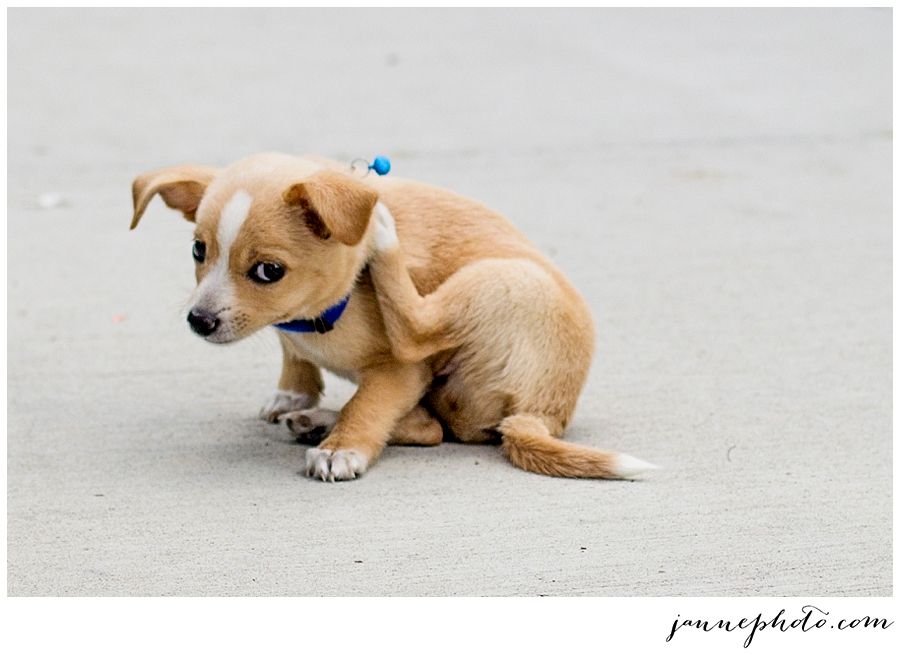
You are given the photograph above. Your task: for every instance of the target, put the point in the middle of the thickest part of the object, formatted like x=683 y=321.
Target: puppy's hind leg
x=476 y=298
x=416 y=326
x=418 y=427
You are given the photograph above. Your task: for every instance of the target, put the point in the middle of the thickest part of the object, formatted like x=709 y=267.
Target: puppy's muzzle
x=202 y=322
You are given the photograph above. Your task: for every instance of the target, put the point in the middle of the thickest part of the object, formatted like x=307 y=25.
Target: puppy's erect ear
x=333 y=204
x=181 y=187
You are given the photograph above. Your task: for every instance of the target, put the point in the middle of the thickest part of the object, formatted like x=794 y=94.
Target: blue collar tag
x=380 y=164
x=320 y=324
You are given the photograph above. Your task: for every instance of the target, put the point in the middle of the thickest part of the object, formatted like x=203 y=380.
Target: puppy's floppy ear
x=333 y=204
x=181 y=187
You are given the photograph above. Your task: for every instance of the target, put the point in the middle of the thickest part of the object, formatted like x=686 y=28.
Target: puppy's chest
x=357 y=341
x=328 y=353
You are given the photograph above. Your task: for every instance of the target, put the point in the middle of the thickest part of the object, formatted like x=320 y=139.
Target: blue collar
x=320 y=324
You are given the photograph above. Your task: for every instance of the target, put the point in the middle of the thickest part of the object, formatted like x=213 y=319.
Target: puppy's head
x=276 y=238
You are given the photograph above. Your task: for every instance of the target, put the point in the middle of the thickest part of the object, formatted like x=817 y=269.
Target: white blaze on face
x=215 y=292
x=233 y=216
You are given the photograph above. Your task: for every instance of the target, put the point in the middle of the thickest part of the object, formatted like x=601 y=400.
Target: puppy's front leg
x=298 y=388
x=385 y=394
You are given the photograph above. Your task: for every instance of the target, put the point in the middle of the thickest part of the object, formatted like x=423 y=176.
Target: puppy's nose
x=202 y=322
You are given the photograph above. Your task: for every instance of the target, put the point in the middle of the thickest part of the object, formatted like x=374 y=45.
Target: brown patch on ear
x=313 y=220
x=333 y=205
x=181 y=188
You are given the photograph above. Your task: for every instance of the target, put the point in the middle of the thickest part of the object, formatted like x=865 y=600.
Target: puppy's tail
x=528 y=444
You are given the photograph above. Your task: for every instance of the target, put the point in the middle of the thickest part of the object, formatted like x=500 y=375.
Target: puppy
x=440 y=311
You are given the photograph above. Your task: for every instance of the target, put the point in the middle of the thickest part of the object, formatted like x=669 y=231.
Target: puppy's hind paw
x=340 y=465
x=281 y=402
x=385 y=229
x=310 y=425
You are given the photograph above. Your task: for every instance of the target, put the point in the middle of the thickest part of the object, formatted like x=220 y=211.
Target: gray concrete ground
x=717 y=183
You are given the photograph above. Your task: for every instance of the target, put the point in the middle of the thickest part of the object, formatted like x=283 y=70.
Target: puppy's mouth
x=222 y=337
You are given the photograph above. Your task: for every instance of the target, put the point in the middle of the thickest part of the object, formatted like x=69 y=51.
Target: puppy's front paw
x=339 y=465
x=310 y=425
x=281 y=402
x=385 y=229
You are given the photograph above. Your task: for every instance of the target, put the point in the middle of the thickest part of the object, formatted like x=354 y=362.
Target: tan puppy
x=499 y=346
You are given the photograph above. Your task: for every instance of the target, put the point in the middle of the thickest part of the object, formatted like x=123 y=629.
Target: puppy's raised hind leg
x=417 y=326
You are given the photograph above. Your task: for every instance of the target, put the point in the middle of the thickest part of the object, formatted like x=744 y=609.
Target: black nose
x=202 y=322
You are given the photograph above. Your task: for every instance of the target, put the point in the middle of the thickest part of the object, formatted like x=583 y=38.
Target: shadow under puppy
x=421 y=297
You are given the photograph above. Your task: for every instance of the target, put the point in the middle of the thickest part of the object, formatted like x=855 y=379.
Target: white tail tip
x=628 y=466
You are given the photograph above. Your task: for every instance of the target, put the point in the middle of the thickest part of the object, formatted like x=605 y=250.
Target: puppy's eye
x=266 y=272
x=199 y=251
